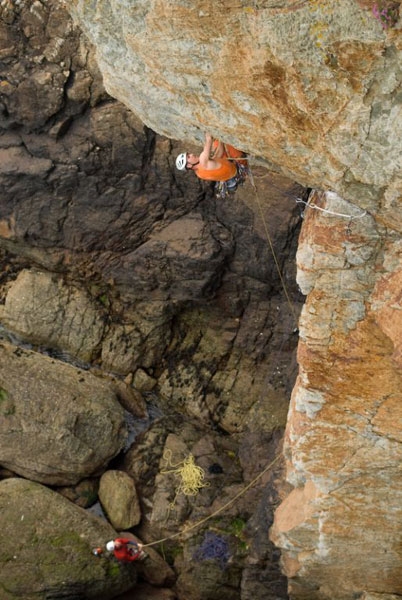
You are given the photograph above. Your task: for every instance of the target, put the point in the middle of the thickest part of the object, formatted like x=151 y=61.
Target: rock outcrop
x=134 y=251
x=313 y=88
x=58 y=423
x=343 y=438
x=44 y=311
x=182 y=289
x=215 y=537
x=309 y=86
x=46 y=548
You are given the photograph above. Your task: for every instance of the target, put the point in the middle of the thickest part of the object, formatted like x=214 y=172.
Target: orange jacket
x=225 y=171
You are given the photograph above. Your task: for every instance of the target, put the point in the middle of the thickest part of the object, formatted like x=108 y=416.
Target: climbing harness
x=224 y=188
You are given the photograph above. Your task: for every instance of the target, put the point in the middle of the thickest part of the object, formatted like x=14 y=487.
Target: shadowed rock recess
x=143 y=322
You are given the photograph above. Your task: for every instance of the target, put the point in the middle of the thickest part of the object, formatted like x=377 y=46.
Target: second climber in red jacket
x=126 y=550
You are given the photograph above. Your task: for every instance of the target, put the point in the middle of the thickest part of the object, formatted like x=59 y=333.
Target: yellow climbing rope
x=271 y=246
x=219 y=510
x=191 y=475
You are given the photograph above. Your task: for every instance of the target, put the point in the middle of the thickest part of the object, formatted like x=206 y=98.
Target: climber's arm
x=219 y=151
x=205 y=161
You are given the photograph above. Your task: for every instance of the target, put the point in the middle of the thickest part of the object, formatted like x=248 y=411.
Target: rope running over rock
x=219 y=510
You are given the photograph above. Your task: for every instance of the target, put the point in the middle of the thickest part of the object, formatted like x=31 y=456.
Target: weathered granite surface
x=311 y=86
x=58 y=423
x=43 y=310
x=119 y=499
x=137 y=275
x=186 y=289
x=338 y=527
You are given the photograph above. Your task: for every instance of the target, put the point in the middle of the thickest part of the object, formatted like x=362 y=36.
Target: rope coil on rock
x=192 y=476
x=219 y=510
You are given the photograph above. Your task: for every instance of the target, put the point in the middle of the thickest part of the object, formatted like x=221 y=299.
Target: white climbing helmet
x=110 y=546
x=181 y=161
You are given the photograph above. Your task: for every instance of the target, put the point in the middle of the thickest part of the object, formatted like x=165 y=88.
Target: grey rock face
x=185 y=287
x=119 y=499
x=44 y=311
x=59 y=424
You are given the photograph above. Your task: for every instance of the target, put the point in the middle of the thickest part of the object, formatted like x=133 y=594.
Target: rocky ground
x=139 y=315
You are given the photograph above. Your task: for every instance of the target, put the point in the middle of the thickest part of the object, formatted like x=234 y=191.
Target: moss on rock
x=47 y=547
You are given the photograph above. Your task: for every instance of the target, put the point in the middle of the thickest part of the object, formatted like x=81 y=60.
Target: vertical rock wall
x=338 y=528
x=113 y=260
x=314 y=88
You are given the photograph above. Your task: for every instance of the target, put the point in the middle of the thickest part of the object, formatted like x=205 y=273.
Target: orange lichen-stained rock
x=343 y=437
x=311 y=86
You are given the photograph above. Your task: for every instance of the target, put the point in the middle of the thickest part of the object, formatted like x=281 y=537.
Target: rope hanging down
x=308 y=205
x=272 y=249
x=221 y=509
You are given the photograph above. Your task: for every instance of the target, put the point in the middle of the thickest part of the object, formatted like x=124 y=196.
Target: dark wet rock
x=189 y=319
x=84 y=494
x=144 y=591
x=206 y=578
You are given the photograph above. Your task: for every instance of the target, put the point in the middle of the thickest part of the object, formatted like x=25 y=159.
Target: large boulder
x=58 y=423
x=119 y=499
x=43 y=310
x=46 y=548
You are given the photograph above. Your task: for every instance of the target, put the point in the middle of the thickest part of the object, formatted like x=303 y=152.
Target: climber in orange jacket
x=213 y=163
